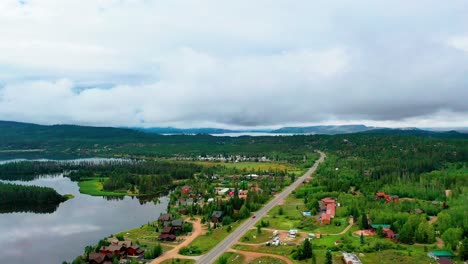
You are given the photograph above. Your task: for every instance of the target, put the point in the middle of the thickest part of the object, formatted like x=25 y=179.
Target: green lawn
x=209 y=240
x=233 y=258
x=253 y=237
x=278 y=250
x=93 y=186
x=291 y=217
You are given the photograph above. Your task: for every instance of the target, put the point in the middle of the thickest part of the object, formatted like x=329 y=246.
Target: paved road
x=224 y=245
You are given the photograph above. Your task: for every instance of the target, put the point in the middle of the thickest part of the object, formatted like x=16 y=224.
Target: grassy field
x=233 y=258
x=291 y=217
x=93 y=186
x=209 y=240
x=253 y=237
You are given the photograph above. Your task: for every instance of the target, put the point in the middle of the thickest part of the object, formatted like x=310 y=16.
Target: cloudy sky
x=234 y=63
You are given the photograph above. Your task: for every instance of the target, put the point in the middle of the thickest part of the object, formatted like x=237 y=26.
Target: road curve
x=224 y=245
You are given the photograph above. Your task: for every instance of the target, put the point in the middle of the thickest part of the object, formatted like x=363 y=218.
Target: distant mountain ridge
x=324 y=129
x=329 y=130
x=15 y=129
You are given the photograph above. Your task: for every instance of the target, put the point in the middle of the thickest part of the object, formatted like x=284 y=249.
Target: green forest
x=21 y=198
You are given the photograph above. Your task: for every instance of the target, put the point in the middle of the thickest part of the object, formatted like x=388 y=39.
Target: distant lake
x=254 y=134
x=27 y=238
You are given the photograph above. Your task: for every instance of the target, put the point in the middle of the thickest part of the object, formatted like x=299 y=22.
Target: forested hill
x=17 y=132
x=20 y=140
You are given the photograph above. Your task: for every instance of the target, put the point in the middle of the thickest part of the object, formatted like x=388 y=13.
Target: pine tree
x=328 y=258
x=307 y=249
x=364 y=222
x=361 y=239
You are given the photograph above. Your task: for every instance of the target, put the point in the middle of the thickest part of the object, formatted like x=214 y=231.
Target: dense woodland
x=148 y=177
x=21 y=198
x=418 y=170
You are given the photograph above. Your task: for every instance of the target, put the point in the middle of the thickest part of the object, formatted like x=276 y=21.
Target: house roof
x=177 y=222
x=167 y=236
x=165 y=217
x=217 y=214
x=97 y=257
x=127 y=243
x=441 y=253
x=331 y=209
x=325 y=217
x=112 y=247
x=166 y=230
x=328 y=200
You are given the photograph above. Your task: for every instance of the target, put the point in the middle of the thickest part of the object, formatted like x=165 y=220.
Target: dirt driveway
x=174 y=253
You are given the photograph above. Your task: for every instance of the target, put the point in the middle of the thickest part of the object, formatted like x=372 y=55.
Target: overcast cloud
x=234 y=63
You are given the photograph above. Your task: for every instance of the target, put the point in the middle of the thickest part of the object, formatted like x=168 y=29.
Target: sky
x=234 y=64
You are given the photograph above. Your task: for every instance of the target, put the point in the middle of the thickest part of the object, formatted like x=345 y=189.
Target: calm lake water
x=62 y=235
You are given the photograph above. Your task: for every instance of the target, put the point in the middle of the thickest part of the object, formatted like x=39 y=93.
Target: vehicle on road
x=254 y=216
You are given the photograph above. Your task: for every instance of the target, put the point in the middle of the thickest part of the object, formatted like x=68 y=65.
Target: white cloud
x=238 y=63
x=460 y=42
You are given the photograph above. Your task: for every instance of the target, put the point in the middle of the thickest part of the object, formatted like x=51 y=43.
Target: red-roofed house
x=328 y=206
x=328 y=200
x=325 y=219
x=331 y=210
x=186 y=189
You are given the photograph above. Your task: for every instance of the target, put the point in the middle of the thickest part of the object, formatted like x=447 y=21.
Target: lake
x=62 y=235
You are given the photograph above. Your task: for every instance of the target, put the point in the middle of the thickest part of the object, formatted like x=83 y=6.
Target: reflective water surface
x=49 y=238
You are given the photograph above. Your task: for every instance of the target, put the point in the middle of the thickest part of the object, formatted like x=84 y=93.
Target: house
x=166 y=234
x=167 y=237
x=113 y=249
x=350 y=258
x=438 y=254
x=243 y=194
x=331 y=210
x=386 y=197
x=328 y=206
x=177 y=224
x=326 y=219
x=222 y=191
x=217 y=216
x=135 y=250
x=97 y=258
x=389 y=233
x=328 y=200
x=186 y=189
x=165 y=217
x=125 y=244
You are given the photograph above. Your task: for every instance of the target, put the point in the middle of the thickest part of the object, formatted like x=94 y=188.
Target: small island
x=23 y=198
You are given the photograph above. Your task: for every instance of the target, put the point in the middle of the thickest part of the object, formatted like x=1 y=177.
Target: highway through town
x=224 y=245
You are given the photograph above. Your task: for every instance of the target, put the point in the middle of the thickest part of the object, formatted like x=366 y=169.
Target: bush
x=190 y=251
x=153 y=252
x=188 y=227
